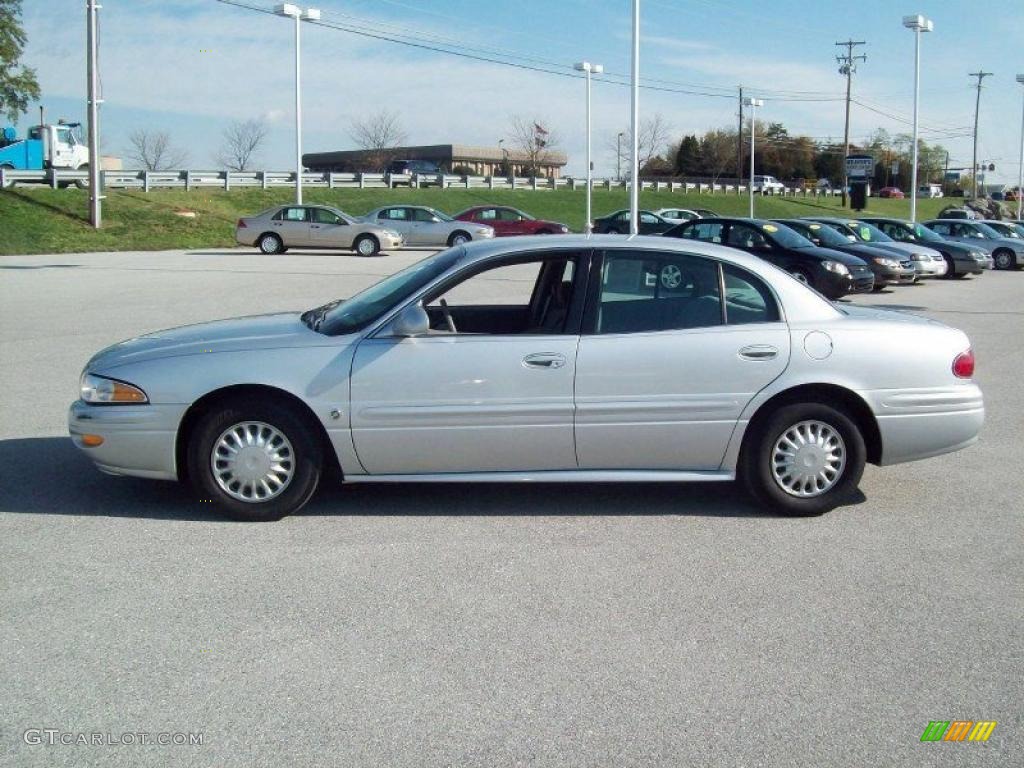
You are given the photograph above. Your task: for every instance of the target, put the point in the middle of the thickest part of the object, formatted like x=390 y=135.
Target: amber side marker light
x=91 y=441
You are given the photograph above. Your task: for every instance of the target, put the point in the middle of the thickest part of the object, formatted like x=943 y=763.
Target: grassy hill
x=55 y=221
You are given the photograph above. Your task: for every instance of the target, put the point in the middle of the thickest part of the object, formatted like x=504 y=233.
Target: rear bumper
x=920 y=423
x=138 y=440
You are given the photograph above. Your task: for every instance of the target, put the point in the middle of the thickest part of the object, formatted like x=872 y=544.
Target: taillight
x=963 y=364
x=240 y=224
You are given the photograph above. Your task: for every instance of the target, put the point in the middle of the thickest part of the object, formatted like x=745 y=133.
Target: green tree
x=687 y=160
x=18 y=85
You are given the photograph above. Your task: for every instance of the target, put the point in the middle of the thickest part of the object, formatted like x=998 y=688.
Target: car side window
x=648 y=218
x=392 y=214
x=624 y=216
x=420 y=214
x=643 y=292
x=291 y=214
x=507 y=214
x=747 y=298
x=940 y=228
x=708 y=232
x=485 y=214
x=323 y=216
x=742 y=236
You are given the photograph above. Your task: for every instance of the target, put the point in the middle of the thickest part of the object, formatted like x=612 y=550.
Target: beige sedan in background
x=277 y=229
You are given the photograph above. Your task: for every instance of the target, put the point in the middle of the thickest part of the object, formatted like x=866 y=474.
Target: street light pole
x=753 y=104
x=310 y=14
x=587 y=68
x=634 y=189
x=1020 y=167
x=92 y=57
x=618 y=157
x=919 y=24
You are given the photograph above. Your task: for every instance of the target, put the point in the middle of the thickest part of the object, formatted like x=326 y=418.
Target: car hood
x=822 y=252
x=241 y=333
x=871 y=251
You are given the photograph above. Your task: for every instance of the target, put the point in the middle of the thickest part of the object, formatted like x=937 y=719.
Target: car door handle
x=546 y=360
x=759 y=352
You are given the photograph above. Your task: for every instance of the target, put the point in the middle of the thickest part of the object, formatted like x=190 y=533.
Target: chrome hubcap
x=459 y=240
x=671 y=276
x=808 y=459
x=252 y=461
x=268 y=245
x=1002 y=260
x=366 y=246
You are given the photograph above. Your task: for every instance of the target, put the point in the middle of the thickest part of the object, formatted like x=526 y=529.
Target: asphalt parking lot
x=490 y=625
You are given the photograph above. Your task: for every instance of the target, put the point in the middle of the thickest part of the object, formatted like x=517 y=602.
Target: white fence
x=149 y=180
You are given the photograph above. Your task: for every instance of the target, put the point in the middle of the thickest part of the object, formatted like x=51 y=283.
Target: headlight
x=978 y=255
x=891 y=263
x=835 y=266
x=919 y=257
x=563 y=229
x=98 y=389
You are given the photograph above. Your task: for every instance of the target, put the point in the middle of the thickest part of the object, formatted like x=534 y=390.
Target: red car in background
x=893 y=192
x=508 y=221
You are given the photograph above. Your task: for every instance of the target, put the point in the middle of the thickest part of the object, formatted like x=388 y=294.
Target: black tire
x=269 y=244
x=466 y=237
x=306 y=453
x=1003 y=258
x=757 y=455
x=951 y=273
x=543 y=232
x=366 y=245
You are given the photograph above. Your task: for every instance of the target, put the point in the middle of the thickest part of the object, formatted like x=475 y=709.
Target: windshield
x=869 y=233
x=925 y=234
x=828 y=236
x=986 y=230
x=786 y=237
x=340 y=317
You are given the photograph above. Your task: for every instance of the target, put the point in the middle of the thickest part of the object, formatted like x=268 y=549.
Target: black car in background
x=832 y=273
x=618 y=223
x=887 y=268
x=413 y=166
x=961 y=259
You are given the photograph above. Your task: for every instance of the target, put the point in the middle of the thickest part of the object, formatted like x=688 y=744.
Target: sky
x=190 y=67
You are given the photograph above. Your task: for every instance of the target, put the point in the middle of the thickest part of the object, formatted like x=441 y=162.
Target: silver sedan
x=422 y=226
x=277 y=229
x=528 y=359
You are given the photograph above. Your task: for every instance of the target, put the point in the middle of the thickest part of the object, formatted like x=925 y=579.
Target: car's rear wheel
x=804 y=459
x=366 y=245
x=458 y=238
x=1004 y=259
x=256 y=459
x=270 y=244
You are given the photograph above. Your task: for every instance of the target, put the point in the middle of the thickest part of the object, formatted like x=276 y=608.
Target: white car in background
x=422 y=226
x=678 y=214
x=768 y=185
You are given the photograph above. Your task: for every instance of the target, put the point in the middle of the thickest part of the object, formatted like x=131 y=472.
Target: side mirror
x=411 y=321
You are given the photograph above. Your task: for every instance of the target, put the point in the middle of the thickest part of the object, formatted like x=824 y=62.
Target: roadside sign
x=860 y=166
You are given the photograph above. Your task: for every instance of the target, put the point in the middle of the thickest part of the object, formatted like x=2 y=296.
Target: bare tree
x=534 y=144
x=153 y=150
x=654 y=138
x=378 y=135
x=242 y=140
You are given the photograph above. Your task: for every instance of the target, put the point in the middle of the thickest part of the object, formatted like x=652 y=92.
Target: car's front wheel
x=1004 y=259
x=256 y=459
x=459 y=238
x=804 y=459
x=366 y=245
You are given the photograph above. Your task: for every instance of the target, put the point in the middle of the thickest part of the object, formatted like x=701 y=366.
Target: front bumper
x=930 y=268
x=138 y=440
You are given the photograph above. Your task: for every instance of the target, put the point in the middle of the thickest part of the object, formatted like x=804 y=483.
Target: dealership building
x=483 y=161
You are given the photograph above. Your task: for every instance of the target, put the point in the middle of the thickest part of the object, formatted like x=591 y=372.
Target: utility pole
x=847 y=66
x=634 y=189
x=92 y=73
x=977 y=106
x=739 y=144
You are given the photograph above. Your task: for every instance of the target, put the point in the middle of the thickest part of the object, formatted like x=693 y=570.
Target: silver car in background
x=569 y=359
x=1007 y=252
x=277 y=229
x=427 y=227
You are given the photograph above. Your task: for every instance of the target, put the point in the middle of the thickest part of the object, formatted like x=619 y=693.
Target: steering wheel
x=448 y=316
